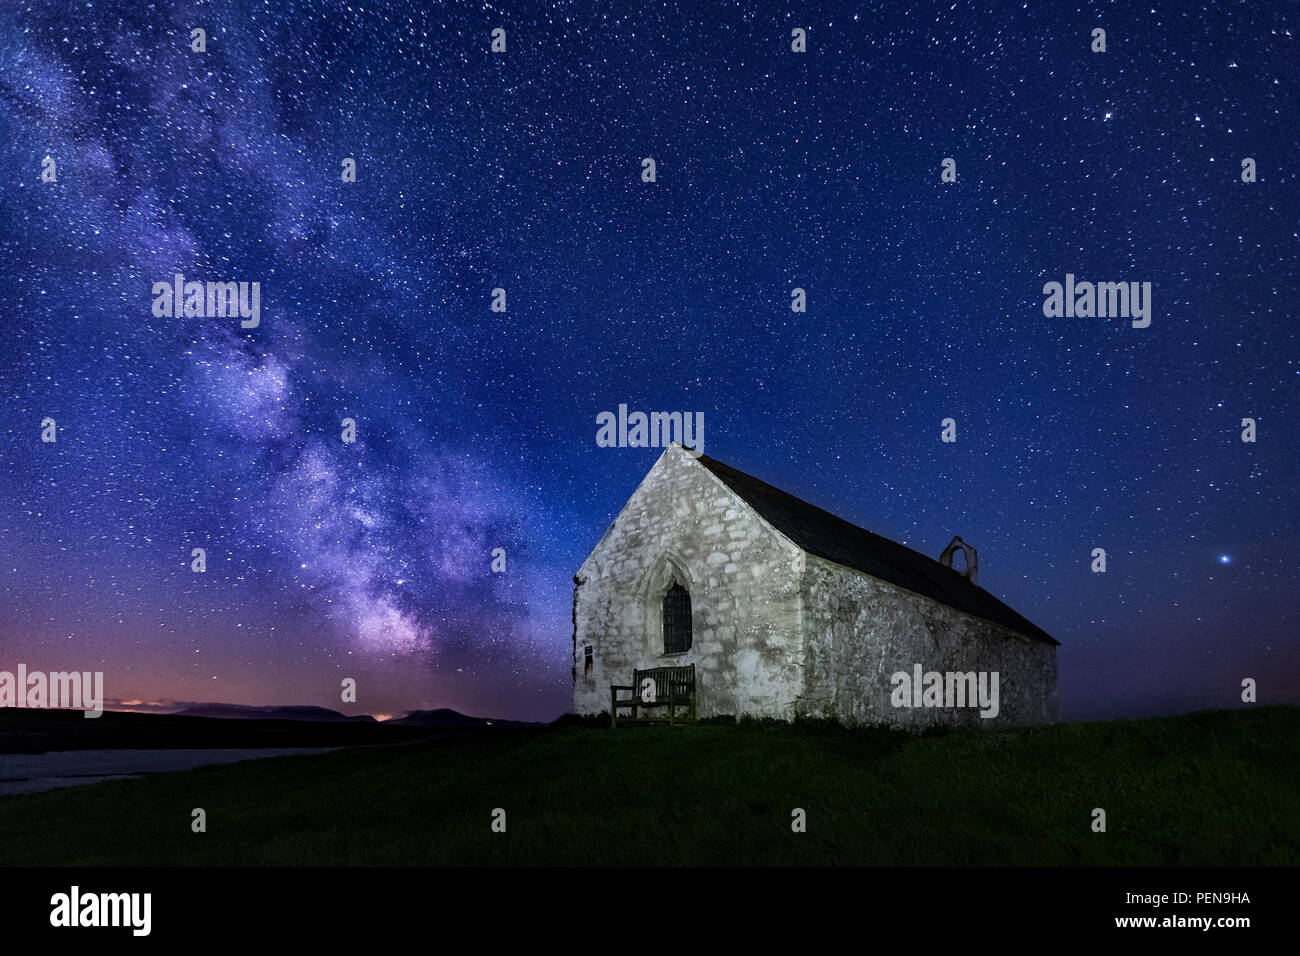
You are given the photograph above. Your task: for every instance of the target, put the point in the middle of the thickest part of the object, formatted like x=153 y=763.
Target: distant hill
x=245 y=712
x=443 y=717
x=446 y=717
x=33 y=730
x=27 y=730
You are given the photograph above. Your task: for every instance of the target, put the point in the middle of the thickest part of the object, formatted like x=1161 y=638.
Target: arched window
x=677 y=619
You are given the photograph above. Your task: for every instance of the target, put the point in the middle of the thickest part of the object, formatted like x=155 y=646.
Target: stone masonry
x=778 y=631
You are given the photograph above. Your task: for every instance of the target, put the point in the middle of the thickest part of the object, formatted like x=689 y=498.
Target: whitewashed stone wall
x=777 y=632
x=861 y=630
x=742 y=576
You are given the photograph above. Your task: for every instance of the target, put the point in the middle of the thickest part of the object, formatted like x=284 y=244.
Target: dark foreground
x=1209 y=789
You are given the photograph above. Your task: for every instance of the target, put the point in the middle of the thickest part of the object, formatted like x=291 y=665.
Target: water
x=32 y=773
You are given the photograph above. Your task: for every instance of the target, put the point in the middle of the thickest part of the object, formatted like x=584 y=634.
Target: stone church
x=786 y=610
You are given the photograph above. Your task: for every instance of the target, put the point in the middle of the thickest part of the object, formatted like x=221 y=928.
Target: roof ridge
x=827 y=535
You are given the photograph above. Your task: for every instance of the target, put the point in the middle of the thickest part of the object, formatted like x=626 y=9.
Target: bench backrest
x=680 y=678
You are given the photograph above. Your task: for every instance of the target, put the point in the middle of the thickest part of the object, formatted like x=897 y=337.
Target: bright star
x=1225 y=559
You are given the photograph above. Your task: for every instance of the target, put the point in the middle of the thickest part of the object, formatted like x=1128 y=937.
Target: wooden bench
x=674 y=687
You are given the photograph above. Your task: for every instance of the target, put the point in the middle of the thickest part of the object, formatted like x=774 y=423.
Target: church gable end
x=688 y=574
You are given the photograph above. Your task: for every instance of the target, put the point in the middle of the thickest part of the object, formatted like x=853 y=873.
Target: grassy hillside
x=1213 y=788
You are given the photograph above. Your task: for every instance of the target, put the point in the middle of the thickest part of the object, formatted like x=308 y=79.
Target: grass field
x=1212 y=788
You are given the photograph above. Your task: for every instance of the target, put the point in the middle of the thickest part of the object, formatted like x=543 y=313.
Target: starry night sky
x=476 y=430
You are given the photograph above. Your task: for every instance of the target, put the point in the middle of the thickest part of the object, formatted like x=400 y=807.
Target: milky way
x=476 y=429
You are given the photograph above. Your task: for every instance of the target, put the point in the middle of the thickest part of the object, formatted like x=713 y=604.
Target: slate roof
x=827 y=536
